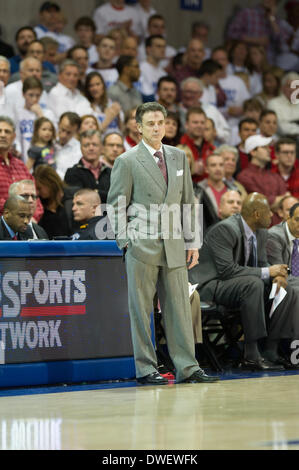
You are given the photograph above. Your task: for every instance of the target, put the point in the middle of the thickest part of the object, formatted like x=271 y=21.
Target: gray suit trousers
x=143 y=282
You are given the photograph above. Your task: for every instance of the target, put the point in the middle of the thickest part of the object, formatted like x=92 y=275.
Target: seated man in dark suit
x=87 y=214
x=283 y=243
x=233 y=271
x=27 y=189
x=15 y=219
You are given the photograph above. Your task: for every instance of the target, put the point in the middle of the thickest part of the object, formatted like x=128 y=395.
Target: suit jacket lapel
x=151 y=167
x=170 y=162
x=242 y=247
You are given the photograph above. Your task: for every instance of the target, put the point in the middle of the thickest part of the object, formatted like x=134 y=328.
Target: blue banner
x=194 y=5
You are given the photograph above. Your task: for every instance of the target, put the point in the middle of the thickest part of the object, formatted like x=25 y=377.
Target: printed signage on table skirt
x=64 y=308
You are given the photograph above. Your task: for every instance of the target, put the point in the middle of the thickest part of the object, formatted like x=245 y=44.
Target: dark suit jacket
x=40 y=232
x=222 y=255
x=279 y=250
x=5 y=236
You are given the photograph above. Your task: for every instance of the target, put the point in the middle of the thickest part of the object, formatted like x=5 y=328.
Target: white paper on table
x=276 y=298
x=192 y=288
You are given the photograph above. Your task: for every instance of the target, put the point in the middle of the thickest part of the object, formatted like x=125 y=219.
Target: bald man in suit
x=152 y=176
x=15 y=219
x=234 y=271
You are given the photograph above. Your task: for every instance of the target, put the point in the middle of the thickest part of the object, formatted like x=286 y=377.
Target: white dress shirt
x=67 y=156
x=14 y=96
x=62 y=99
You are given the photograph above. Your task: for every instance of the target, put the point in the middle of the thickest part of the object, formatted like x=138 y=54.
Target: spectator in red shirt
x=12 y=169
x=247 y=127
x=286 y=167
x=194 y=138
x=256 y=177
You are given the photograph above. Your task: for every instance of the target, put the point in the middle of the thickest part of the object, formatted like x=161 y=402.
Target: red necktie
x=161 y=165
x=15 y=237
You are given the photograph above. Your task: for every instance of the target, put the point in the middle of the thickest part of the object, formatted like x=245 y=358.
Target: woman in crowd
x=271 y=79
x=238 y=54
x=89 y=122
x=256 y=64
x=132 y=135
x=56 y=199
x=109 y=114
x=172 y=129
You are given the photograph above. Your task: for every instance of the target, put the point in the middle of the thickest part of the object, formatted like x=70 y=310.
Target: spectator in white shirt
x=108 y=113
x=130 y=47
x=5 y=109
x=115 y=14
x=46 y=17
x=80 y=55
x=286 y=106
x=209 y=73
x=85 y=29
x=29 y=67
x=67 y=148
x=191 y=93
x=24 y=117
x=157 y=27
x=105 y=65
x=151 y=69
x=233 y=87
x=144 y=11
x=65 y=96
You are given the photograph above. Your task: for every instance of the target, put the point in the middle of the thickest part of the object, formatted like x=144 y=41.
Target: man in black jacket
x=27 y=190
x=90 y=172
x=92 y=225
x=15 y=219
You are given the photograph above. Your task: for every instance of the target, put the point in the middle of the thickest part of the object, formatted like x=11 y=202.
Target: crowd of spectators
x=68 y=103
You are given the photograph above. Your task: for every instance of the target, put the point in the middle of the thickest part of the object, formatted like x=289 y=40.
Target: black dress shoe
x=152 y=379
x=260 y=364
x=285 y=363
x=200 y=376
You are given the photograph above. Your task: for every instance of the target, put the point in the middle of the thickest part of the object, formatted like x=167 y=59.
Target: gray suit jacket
x=141 y=219
x=278 y=245
x=222 y=255
x=279 y=250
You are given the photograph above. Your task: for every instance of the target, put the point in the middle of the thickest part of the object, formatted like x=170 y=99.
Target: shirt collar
x=151 y=150
x=66 y=90
x=248 y=232
x=10 y=231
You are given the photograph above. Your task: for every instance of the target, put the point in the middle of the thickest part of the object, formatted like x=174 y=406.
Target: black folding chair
x=222 y=330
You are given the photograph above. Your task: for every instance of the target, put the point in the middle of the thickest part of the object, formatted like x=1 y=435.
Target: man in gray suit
x=147 y=182
x=233 y=271
x=283 y=242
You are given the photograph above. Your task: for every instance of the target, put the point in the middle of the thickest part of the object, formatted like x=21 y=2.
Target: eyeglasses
x=27 y=196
